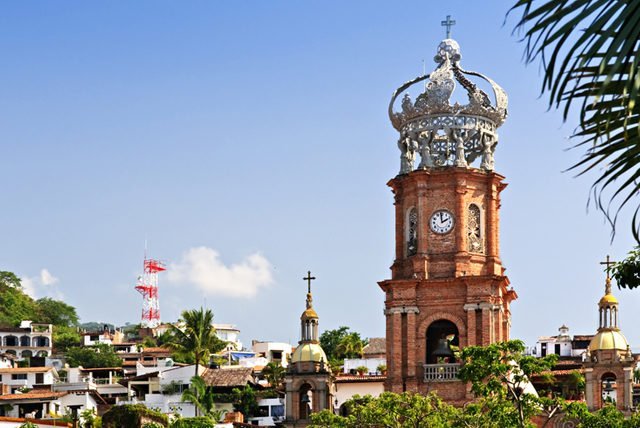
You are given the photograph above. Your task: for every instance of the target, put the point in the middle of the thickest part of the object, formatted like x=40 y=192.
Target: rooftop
x=228 y=377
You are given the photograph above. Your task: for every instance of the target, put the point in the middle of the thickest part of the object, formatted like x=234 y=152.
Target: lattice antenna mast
x=148 y=287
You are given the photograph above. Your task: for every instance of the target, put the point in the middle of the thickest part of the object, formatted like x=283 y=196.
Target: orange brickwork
x=442 y=282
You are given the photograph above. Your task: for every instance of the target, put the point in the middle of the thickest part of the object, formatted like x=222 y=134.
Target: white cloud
x=46 y=278
x=202 y=267
x=41 y=285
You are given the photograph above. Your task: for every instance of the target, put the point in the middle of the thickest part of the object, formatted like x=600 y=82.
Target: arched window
x=25 y=341
x=305 y=401
x=11 y=341
x=40 y=341
x=442 y=335
x=608 y=388
x=26 y=354
x=474 y=230
x=412 y=232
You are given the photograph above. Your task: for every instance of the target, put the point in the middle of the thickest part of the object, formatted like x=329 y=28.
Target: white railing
x=441 y=372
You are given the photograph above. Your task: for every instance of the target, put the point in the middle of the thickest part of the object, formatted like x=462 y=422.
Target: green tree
x=55 y=312
x=10 y=279
x=351 y=346
x=101 y=355
x=65 y=338
x=202 y=398
x=330 y=339
x=90 y=419
x=588 y=50
x=245 y=401
x=627 y=272
x=391 y=410
x=273 y=373
x=607 y=417
x=499 y=375
x=15 y=305
x=197 y=340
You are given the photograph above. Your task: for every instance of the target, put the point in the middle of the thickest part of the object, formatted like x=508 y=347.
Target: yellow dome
x=608 y=340
x=308 y=314
x=608 y=299
x=309 y=352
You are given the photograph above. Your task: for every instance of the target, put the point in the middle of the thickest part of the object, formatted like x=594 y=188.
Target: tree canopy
x=17 y=306
x=101 y=355
x=56 y=312
x=340 y=343
x=196 y=340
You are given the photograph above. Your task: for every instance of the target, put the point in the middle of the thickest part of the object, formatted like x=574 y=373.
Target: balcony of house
x=446 y=372
x=85 y=384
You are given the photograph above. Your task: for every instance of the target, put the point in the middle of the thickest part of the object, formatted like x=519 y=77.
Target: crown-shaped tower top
x=445 y=134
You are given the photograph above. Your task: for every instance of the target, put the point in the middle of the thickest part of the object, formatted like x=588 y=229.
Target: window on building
x=474 y=230
x=412 y=232
x=557 y=350
x=19 y=376
x=39 y=377
x=543 y=350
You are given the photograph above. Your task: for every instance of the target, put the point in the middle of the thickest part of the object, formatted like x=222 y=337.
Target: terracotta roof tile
x=228 y=377
x=33 y=395
x=354 y=379
x=18 y=370
x=376 y=345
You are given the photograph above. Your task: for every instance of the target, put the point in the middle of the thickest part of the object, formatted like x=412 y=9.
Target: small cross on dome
x=309 y=278
x=448 y=23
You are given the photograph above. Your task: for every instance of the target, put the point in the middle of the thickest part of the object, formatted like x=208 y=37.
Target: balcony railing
x=441 y=372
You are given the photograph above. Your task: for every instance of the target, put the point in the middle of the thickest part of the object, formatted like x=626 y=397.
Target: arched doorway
x=441 y=333
x=11 y=341
x=608 y=388
x=305 y=401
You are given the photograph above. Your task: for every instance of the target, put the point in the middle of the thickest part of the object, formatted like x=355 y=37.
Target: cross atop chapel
x=448 y=23
x=309 y=278
x=608 y=263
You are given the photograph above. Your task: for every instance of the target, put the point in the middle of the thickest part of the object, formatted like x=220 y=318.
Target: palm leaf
x=588 y=50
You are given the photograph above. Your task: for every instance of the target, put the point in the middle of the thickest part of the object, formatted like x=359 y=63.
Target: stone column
x=487 y=312
x=470 y=308
x=394 y=360
x=411 y=312
x=628 y=388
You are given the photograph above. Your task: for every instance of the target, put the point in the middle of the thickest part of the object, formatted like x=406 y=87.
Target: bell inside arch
x=443 y=349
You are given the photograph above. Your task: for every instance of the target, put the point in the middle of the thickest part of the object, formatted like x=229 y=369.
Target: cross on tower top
x=309 y=278
x=448 y=23
x=609 y=263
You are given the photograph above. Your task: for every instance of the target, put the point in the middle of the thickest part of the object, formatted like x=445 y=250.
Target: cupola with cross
x=609 y=362
x=308 y=382
x=447 y=286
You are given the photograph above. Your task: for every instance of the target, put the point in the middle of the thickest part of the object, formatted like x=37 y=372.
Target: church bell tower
x=447 y=288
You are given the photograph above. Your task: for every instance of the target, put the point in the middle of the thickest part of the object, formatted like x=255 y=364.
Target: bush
x=132 y=415
x=197 y=422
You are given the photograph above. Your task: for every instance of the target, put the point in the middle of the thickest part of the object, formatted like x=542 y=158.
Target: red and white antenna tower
x=148 y=287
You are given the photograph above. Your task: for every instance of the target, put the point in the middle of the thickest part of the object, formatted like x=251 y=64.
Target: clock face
x=441 y=221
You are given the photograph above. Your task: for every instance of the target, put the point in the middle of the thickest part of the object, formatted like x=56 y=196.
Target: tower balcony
x=441 y=372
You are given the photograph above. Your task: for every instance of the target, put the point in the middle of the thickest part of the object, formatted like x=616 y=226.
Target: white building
x=15 y=379
x=161 y=386
x=229 y=333
x=47 y=404
x=271 y=412
x=28 y=340
x=273 y=352
x=562 y=344
x=348 y=386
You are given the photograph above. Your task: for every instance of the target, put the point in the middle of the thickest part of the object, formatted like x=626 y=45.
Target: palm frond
x=588 y=50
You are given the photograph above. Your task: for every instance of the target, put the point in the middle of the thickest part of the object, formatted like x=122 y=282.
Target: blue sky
x=248 y=142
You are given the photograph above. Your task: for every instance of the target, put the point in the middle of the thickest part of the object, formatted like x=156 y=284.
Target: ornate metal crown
x=445 y=134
